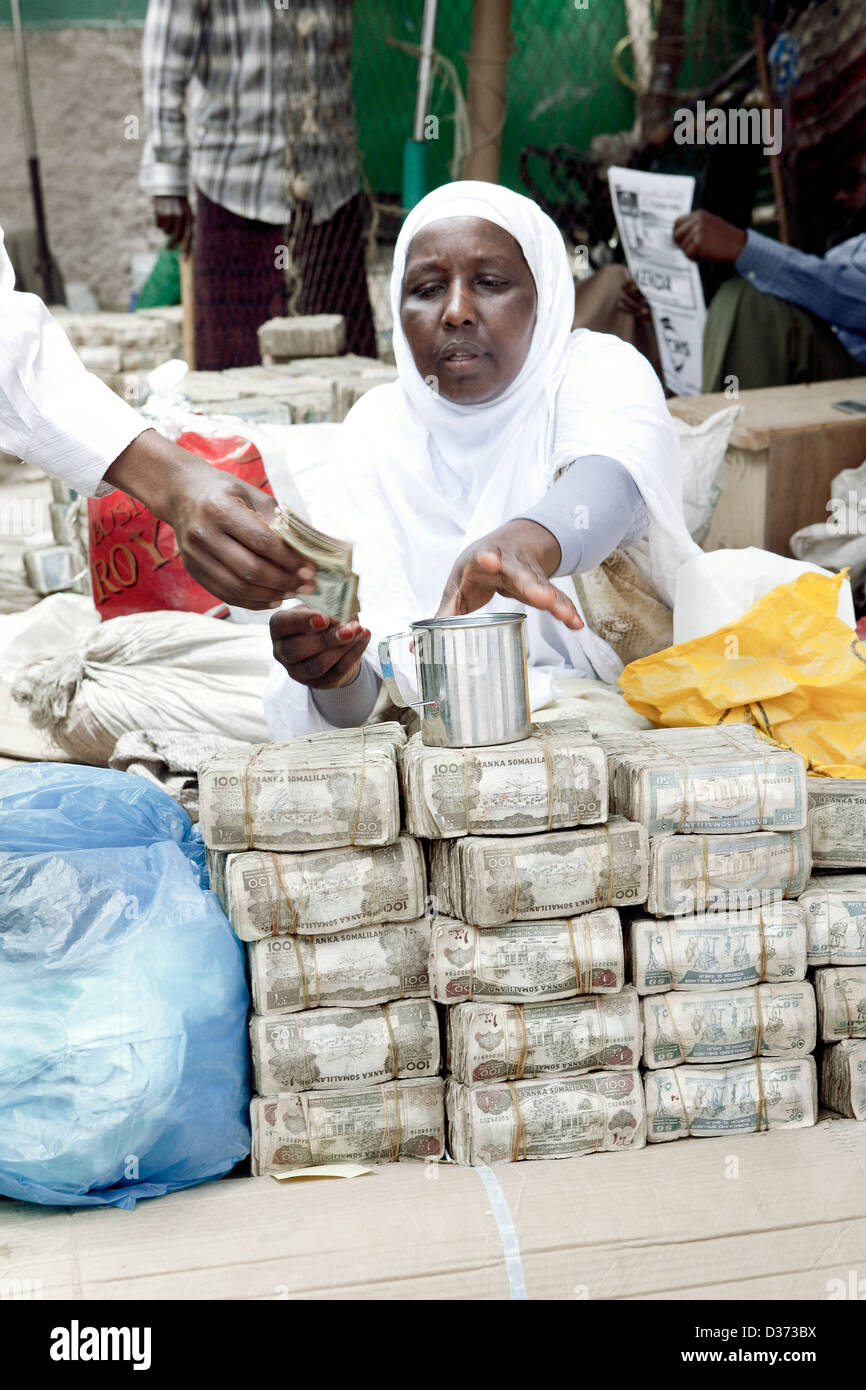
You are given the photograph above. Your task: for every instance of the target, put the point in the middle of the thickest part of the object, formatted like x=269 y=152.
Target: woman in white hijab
x=510 y=453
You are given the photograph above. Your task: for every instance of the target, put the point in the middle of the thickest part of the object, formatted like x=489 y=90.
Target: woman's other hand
x=515 y=560
x=319 y=652
x=632 y=301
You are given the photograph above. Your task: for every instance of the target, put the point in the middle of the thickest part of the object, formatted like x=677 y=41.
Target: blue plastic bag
x=124 y=1066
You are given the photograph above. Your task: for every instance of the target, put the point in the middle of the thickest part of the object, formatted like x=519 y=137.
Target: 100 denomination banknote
x=843 y=1078
x=835 y=910
x=527 y=961
x=718 y=950
x=489 y=881
x=507 y=1042
x=693 y=873
x=326 y=891
x=558 y=1117
x=352 y=969
x=837 y=822
x=841 y=995
x=741 y=1097
x=776 y=1020
x=555 y=779
x=358 y=1124
x=319 y=792
x=706 y=781
x=328 y=1049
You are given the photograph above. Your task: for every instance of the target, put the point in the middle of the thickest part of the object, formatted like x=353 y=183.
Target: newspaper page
x=646 y=207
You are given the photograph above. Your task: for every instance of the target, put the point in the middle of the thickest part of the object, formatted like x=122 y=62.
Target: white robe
x=421 y=477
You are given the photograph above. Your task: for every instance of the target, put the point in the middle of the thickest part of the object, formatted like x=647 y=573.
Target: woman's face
x=467 y=308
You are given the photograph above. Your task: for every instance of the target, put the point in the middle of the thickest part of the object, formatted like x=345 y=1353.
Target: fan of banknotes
x=336 y=591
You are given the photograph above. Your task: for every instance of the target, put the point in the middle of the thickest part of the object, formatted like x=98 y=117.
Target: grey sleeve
x=593 y=508
x=349 y=705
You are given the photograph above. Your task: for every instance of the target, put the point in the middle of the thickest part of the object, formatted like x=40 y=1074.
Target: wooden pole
x=486 y=100
x=187 y=299
x=775 y=165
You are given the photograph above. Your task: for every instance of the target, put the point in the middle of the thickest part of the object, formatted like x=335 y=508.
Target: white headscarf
x=423 y=477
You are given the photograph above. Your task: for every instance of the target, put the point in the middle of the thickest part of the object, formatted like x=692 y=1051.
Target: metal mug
x=471 y=679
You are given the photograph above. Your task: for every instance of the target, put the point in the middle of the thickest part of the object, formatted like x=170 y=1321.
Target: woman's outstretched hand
x=320 y=652
x=515 y=560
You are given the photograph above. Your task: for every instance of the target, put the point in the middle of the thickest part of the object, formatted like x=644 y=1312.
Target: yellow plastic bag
x=789 y=666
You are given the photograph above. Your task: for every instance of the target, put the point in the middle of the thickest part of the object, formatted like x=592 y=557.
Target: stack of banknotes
x=706 y=781
x=718 y=950
x=488 y=880
x=306 y=853
x=772 y=1020
x=837 y=822
x=553 y=780
x=835 y=911
x=335 y=589
x=843 y=1078
x=558 y=1117
x=326 y=791
x=739 y=1098
x=841 y=994
x=357 y=1124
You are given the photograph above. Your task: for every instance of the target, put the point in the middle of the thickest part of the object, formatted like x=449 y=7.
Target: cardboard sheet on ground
x=789 y=666
x=646 y=207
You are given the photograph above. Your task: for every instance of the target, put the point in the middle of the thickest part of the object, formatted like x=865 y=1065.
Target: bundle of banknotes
x=336 y=584
x=691 y=873
x=841 y=995
x=327 y=891
x=352 y=969
x=329 y=1049
x=837 y=822
x=843 y=1078
x=554 y=779
x=509 y=1042
x=718 y=950
x=321 y=792
x=358 y=1124
x=773 y=1020
x=526 y=961
x=835 y=910
x=488 y=880
x=739 y=1098
x=706 y=781
x=558 y=1117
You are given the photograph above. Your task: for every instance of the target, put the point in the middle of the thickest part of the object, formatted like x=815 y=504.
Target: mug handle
x=391 y=683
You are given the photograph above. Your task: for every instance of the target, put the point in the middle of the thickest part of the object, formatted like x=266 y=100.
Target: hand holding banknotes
x=316 y=650
x=515 y=560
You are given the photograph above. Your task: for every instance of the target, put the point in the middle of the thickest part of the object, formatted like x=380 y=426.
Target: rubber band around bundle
x=686 y=1116
x=762 y=1120
x=363 y=733
x=524 y=1048
x=843 y=991
x=392 y=1043
x=520 y=1127
x=248 y=810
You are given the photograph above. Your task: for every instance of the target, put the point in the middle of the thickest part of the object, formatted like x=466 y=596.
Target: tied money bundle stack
x=306 y=855
x=835 y=907
x=543 y=1037
x=729 y=1017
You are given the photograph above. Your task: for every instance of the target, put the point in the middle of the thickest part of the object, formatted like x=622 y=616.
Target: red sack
x=135 y=565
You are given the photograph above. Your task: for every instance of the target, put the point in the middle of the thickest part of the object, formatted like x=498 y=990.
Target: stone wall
x=85 y=83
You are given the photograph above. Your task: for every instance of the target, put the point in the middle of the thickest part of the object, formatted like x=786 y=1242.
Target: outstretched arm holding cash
x=58 y=416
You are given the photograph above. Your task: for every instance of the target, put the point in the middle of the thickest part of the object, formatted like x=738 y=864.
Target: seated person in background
x=786 y=316
x=510 y=453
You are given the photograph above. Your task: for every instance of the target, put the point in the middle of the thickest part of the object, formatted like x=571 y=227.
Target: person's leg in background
x=596 y=306
x=331 y=261
x=239 y=284
x=764 y=341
